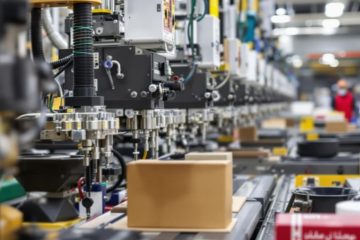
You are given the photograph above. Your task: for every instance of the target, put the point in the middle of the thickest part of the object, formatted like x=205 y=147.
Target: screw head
x=143 y=94
x=152 y=88
x=133 y=94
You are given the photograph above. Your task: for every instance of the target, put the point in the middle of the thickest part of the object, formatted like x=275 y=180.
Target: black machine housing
x=195 y=90
x=141 y=68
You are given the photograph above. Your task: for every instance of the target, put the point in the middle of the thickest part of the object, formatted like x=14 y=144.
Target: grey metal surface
x=263 y=190
x=280 y=199
x=316 y=167
x=353 y=183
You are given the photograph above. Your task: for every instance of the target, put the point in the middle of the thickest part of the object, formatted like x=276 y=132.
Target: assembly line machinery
x=135 y=79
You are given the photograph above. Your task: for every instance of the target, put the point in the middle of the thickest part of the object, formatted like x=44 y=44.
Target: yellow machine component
x=224 y=67
x=54 y=54
x=101 y=11
x=10 y=222
x=307 y=124
x=58 y=102
x=280 y=151
x=254 y=5
x=61 y=3
x=312 y=136
x=243 y=5
x=323 y=180
x=225 y=139
x=11 y=155
x=214 y=8
x=53 y=226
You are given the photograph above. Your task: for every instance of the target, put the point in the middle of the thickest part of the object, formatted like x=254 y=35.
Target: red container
x=317 y=227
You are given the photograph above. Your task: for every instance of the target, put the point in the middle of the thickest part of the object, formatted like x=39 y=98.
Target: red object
x=317 y=227
x=338 y=55
x=345 y=104
x=80 y=184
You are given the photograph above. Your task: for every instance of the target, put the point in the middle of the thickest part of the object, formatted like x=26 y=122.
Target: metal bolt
x=143 y=94
x=99 y=30
x=207 y=95
x=133 y=94
x=153 y=88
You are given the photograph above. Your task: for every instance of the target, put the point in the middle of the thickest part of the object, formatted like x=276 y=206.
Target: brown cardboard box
x=248 y=133
x=290 y=122
x=274 y=123
x=209 y=156
x=336 y=127
x=251 y=153
x=352 y=127
x=179 y=194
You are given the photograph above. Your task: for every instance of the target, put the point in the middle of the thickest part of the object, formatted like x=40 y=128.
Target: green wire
x=190 y=33
x=206 y=6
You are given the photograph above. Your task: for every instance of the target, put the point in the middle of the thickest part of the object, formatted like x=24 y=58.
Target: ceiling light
x=334 y=9
x=330 y=23
x=280 y=19
x=334 y=63
x=280 y=11
x=327 y=58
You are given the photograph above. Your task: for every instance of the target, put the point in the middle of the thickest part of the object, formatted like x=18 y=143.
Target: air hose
x=122 y=176
x=36 y=40
x=83 y=51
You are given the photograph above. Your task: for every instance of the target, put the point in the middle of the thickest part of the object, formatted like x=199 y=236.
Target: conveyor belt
x=280 y=199
x=257 y=189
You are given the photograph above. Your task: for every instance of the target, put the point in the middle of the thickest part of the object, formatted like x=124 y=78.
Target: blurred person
x=344 y=100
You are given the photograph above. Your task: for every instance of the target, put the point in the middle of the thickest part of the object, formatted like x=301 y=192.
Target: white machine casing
x=244 y=60
x=269 y=75
x=229 y=24
x=261 y=71
x=150 y=23
x=251 y=73
x=232 y=55
x=208 y=36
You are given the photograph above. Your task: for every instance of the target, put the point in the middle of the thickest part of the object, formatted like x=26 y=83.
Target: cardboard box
x=209 y=156
x=248 y=134
x=336 y=127
x=274 y=123
x=316 y=226
x=180 y=194
x=352 y=127
x=290 y=122
x=251 y=153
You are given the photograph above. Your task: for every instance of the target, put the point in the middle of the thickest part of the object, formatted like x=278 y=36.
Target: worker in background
x=344 y=100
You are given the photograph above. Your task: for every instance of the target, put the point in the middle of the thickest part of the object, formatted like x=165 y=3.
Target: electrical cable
x=191 y=73
x=55 y=37
x=190 y=34
x=206 y=6
x=61 y=62
x=122 y=176
x=145 y=155
x=222 y=84
x=36 y=34
x=63 y=68
x=28 y=136
x=37 y=43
